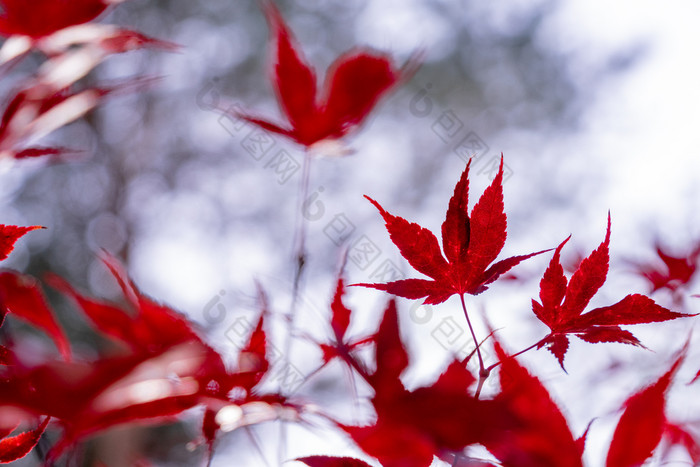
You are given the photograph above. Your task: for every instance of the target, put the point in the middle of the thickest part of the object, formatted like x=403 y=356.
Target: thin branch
x=471 y=330
x=536 y=344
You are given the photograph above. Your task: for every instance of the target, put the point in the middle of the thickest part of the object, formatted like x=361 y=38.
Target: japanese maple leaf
x=471 y=244
x=39 y=18
x=538 y=434
x=562 y=305
x=643 y=421
x=414 y=426
x=9 y=234
x=353 y=85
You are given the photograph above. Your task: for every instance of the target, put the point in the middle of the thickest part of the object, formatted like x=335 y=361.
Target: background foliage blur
x=198 y=210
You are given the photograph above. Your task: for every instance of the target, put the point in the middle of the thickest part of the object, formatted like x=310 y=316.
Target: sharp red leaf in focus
x=353 y=85
x=562 y=304
x=671 y=272
x=471 y=244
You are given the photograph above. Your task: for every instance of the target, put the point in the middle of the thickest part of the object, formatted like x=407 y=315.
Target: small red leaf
x=598 y=325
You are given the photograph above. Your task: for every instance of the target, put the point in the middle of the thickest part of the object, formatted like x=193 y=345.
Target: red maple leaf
x=342 y=346
x=9 y=234
x=414 y=426
x=671 y=272
x=562 y=305
x=643 y=421
x=537 y=434
x=471 y=244
x=39 y=18
x=354 y=83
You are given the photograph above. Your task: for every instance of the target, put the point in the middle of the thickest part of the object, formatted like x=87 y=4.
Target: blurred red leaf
x=642 y=423
x=470 y=245
x=353 y=85
x=670 y=272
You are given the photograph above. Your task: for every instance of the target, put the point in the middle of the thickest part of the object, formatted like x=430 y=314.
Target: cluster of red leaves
x=18 y=446
x=161 y=368
x=520 y=425
x=51 y=99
